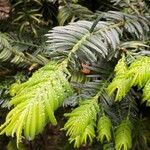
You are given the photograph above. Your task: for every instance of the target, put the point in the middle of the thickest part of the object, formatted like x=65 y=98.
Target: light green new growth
x=81 y=123
x=137 y=74
x=146 y=93
x=140 y=71
x=120 y=83
x=36 y=100
x=104 y=129
x=123 y=139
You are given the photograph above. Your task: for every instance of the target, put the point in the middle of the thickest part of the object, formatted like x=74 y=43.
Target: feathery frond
x=104 y=129
x=140 y=71
x=136 y=26
x=123 y=139
x=36 y=100
x=137 y=74
x=7 y=52
x=131 y=6
x=10 y=52
x=120 y=83
x=81 y=123
x=81 y=39
x=91 y=48
x=74 y=11
x=133 y=49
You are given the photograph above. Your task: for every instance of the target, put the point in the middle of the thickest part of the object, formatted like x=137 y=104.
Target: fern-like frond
x=5 y=84
x=121 y=67
x=123 y=138
x=12 y=50
x=141 y=134
x=104 y=129
x=81 y=123
x=36 y=100
x=7 y=52
x=120 y=83
x=88 y=40
x=74 y=11
x=77 y=36
x=133 y=45
x=133 y=49
x=131 y=6
x=28 y=17
x=4 y=93
x=136 y=26
x=140 y=71
x=137 y=74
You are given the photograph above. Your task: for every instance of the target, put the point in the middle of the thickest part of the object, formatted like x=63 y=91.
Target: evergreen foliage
x=94 y=59
x=104 y=128
x=71 y=12
x=123 y=136
x=137 y=74
x=33 y=108
x=81 y=123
